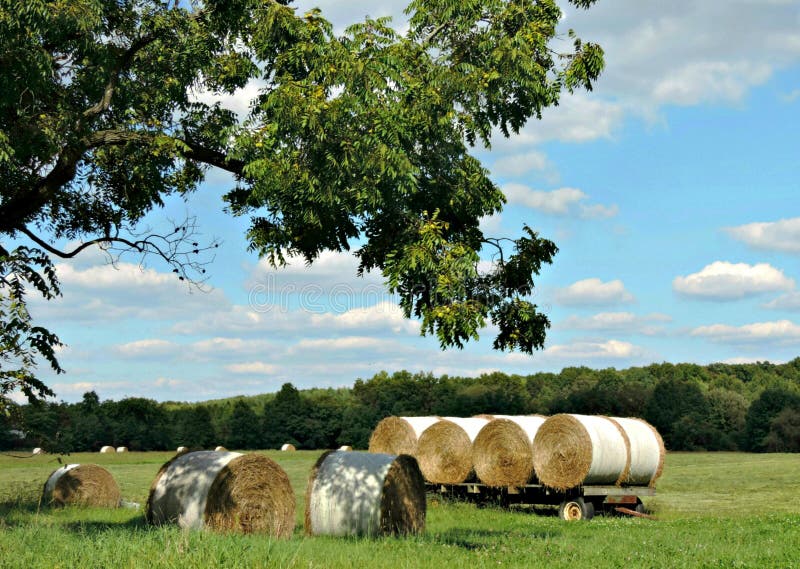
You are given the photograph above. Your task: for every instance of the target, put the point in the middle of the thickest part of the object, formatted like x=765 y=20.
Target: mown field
x=713 y=510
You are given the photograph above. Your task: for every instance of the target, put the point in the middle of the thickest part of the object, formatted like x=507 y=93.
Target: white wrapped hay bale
x=399 y=435
x=122 y=449
x=181 y=449
x=226 y=491
x=346 y=448
x=503 y=450
x=108 y=449
x=647 y=451
x=220 y=449
x=365 y=494
x=444 y=450
x=37 y=450
x=288 y=447
x=570 y=450
x=81 y=484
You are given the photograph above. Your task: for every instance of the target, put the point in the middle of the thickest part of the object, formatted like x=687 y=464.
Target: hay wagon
x=579 y=503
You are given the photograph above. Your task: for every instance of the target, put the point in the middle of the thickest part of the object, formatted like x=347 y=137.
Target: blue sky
x=670 y=191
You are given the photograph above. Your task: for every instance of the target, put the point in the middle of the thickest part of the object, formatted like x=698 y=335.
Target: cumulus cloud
x=594 y=292
x=519 y=164
x=781 y=333
x=724 y=281
x=577 y=352
x=384 y=316
x=782 y=235
x=621 y=322
x=149 y=348
x=253 y=368
x=562 y=201
x=788 y=301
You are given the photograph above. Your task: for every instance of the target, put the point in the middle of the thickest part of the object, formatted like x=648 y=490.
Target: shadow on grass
x=473 y=539
x=136 y=524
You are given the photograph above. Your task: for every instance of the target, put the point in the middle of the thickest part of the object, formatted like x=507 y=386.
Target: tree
x=242 y=427
x=360 y=138
x=763 y=413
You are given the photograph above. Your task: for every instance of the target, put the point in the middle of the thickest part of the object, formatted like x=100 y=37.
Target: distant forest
x=750 y=407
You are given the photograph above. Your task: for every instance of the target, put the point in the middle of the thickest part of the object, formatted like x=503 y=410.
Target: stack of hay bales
x=224 y=491
x=122 y=449
x=399 y=435
x=288 y=447
x=81 y=484
x=503 y=450
x=108 y=449
x=571 y=450
x=444 y=450
x=361 y=494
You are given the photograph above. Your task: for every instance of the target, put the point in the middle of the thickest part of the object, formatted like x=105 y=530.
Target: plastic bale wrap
x=365 y=494
x=223 y=491
x=288 y=447
x=647 y=451
x=399 y=435
x=83 y=485
x=444 y=451
x=503 y=450
x=108 y=449
x=122 y=449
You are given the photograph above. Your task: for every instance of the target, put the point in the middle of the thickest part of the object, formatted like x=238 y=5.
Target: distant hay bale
x=365 y=494
x=647 y=451
x=223 y=491
x=81 y=484
x=37 y=450
x=220 y=449
x=122 y=449
x=181 y=450
x=288 y=447
x=399 y=435
x=503 y=450
x=108 y=449
x=444 y=450
x=346 y=448
x=570 y=450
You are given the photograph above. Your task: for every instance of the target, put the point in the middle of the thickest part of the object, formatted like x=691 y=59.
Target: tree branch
x=68 y=255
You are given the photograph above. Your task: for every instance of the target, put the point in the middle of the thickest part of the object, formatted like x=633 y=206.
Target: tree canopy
x=361 y=140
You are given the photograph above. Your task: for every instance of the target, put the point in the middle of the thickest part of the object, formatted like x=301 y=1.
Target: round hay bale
x=220 y=449
x=81 y=484
x=288 y=447
x=399 y=435
x=647 y=451
x=444 y=450
x=108 y=449
x=503 y=450
x=181 y=450
x=223 y=491
x=346 y=448
x=365 y=494
x=37 y=450
x=570 y=450
x=122 y=449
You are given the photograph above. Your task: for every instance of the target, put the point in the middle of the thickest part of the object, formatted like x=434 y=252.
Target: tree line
x=750 y=407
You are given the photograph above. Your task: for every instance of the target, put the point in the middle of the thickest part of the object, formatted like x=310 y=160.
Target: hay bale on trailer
x=503 y=450
x=37 y=450
x=444 y=450
x=122 y=449
x=224 y=491
x=647 y=451
x=346 y=448
x=108 y=449
x=220 y=449
x=399 y=435
x=288 y=447
x=365 y=494
x=81 y=484
x=181 y=450
x=570 y=450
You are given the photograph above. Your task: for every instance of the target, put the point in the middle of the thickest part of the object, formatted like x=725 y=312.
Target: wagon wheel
x=576 y=509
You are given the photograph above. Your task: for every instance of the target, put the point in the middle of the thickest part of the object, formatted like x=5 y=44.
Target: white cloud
x=722 y=280
x=148 y=348
x=384 y=316
x=254 y=368
x=781 y=332
x=594 y=292
x=791 y=96
x=562 y=201
x=783 y=235
x=344 y=344
x=577 y=352
x=624 y=322
x=519 y=164
x=788 y=301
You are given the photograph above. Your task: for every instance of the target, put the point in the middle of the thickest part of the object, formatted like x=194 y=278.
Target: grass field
x=713 y=510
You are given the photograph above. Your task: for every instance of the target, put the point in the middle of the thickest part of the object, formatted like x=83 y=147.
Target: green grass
x=713 y=510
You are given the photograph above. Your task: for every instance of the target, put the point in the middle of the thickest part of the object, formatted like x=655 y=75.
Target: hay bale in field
x=365 y=494
x=81 y=484
x=288 y=447
x=503 y=450
x=37 y=450
x=181 y=450
x=399 y=435
x=122 y=449
x=570 y=450
x=220 y=449
x=647 y=451
x=346 y=448
x=224 y=491
x=108 y=449
x=444 y=450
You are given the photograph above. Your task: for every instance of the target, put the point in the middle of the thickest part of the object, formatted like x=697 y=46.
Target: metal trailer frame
x=579 y=503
